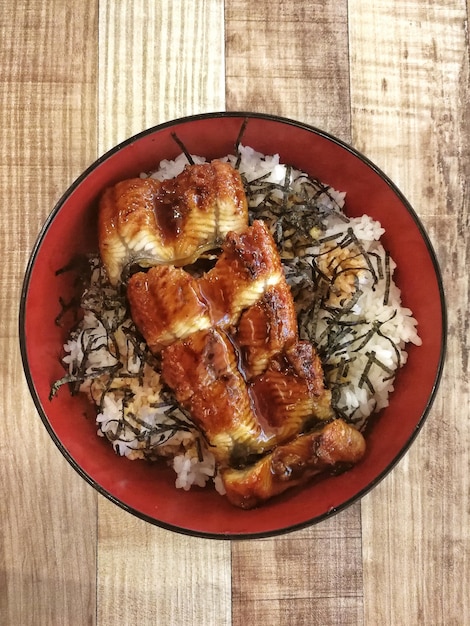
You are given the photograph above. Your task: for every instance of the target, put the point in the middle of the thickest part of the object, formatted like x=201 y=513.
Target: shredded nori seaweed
x=183 y=148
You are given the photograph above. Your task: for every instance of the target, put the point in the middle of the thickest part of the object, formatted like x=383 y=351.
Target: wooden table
x=389 y=76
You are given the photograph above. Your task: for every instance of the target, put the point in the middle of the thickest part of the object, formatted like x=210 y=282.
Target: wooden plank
x=173 y=57
x=292 y=59
x=147 y=575
x=169 y=64
x=410 y=103
x=47 y=101
x=311 y=577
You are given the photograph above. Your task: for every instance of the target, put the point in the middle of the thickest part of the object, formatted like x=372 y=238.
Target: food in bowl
x=346 y=304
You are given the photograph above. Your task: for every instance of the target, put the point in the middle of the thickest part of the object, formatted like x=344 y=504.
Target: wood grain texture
x=47 y=113
x=290 y=59
x=147 y=575
x=410 y=103
x=310 y=577
x=157 y=61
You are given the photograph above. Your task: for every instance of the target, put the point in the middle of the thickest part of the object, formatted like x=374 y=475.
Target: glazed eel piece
x=147 y=222
x=336 y=446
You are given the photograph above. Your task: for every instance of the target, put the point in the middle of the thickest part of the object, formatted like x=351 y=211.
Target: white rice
x=361 y=336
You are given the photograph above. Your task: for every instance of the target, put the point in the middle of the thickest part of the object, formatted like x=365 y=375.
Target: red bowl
x=147 y=490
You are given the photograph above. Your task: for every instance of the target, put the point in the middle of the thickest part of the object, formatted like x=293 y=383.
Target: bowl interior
x=147 y=490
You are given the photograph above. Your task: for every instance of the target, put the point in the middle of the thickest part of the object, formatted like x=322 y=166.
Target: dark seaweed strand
x=335 y=344
x=114 y=373
x=121 y=423
x=140 y=347
x=111 y=372
x=394 y=346
x=340 y=371
x=107 y=388
x=104 y=298
x=335 y=313
x=364 y=338
x=286 y=190
x=255 y=187
x=338 y=343
x=127 y=414
x=176 y=408
x=163 y=431
x=81 y=367
x=237 y=164
x=183 y=148
x=238 y=141
x=341 y=411
x=141 y=352
x=365 y=380
x=354 y=270
x=79 y=376
x=160 y=429
x=200 y=455
x=79 y=263
x=371 y=355
x=308 y=323
x=326 y=239
x=241 y=132
x=301 y=208
x=110 y=331
x=350 y=240
x=71 y=379
x=333 y=347
x=378 y=260
x=344 y=367
x=329 y=211
x=364 y=253
x=319 y=188
x=348 y=306
x=154 y=430
x=105 y=304
x=338 y=272
x=388 y=278
x=320 y=281
x=373 y=360
x=321 y=276
x=375 y=329
x=72 y=305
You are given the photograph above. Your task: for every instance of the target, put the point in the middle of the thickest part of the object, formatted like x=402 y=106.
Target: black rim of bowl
x=242 y=115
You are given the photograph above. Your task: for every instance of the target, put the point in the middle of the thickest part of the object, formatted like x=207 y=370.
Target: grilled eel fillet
x=168 y=304
x=230 y=352
x=148 y=222
x=243 y=419
x=294 y=463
